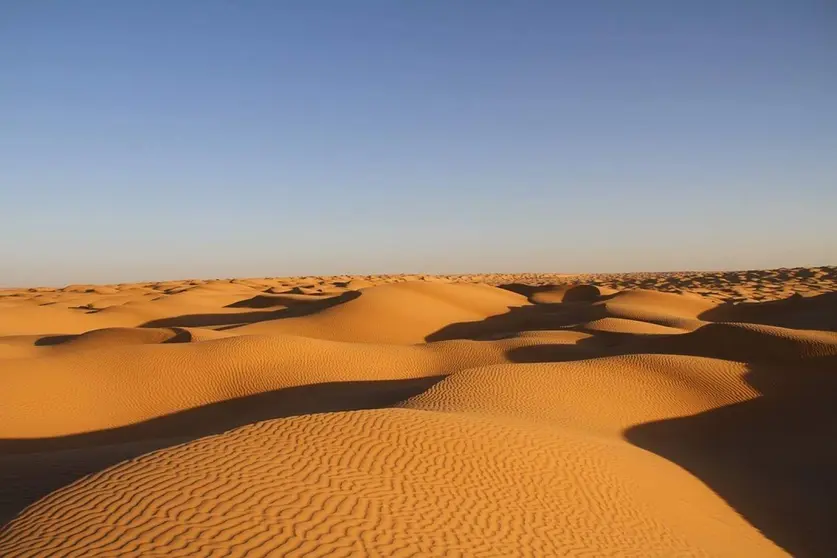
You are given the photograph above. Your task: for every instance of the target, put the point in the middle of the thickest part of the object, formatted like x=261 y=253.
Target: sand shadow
x=723 y=341
x=539 y=317
x=32 y=468
x=570 y=293
x=180 y=336
x=49 y=340
x=234 y=319
x=576 y=309
x=797 y=312
x=772 y=458
x=726 y=334
x=524 y=289
x=262 y=301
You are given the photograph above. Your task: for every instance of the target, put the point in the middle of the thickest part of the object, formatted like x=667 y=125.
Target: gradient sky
x=146 y=140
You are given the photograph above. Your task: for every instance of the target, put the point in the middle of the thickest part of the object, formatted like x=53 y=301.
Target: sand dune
x=493 y=415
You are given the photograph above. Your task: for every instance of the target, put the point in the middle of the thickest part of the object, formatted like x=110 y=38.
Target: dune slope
x=671 y=415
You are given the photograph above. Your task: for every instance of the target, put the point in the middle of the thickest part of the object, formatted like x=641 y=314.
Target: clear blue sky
x=169 y=139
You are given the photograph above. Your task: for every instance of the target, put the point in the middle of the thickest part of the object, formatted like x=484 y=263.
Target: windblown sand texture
x=678 y=414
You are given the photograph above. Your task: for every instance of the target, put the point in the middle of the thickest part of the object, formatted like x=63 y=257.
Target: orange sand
x=685 y=414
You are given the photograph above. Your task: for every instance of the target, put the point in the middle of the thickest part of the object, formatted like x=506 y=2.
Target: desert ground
x=667 y=414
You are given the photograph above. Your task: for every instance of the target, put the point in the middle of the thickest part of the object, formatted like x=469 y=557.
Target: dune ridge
x=490 y=415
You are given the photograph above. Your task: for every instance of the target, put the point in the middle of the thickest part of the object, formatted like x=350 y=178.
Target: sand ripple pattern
x=380 y=483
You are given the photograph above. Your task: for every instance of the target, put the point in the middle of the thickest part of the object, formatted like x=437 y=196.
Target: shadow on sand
x=576 y=309
x=234 y=319
x=797 y=312
x=32 y=468
x=773 y=458
x=179 y=335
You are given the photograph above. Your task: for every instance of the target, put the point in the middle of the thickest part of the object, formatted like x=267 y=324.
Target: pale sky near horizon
x=145 y=140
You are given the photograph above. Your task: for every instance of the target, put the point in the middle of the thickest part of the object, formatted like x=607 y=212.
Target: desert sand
x=669 y=414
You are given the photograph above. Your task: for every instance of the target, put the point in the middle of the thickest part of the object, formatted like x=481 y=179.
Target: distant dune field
x=669 y=414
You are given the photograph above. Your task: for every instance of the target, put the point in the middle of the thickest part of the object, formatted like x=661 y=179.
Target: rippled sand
x=495 y=415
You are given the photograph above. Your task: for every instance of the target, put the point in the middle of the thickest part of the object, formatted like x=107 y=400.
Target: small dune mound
x=603 y=395
x=645 y=302
x=302 y=290
x=621 y=325
x=219 y=287
x=553 y=294
x=573 y=293
x=357 y=284
x=124 y=336
x=275 y=290
x=110 y=337
x=103 y=290
x=280 y=301
x=77 y=288
x=261 y=301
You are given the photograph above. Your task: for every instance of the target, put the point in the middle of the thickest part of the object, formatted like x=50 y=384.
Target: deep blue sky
x=170 y=139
